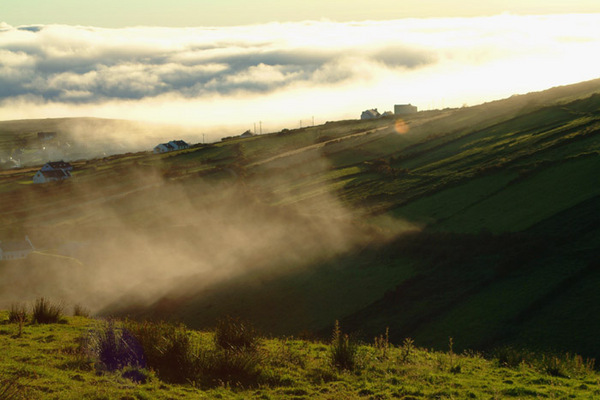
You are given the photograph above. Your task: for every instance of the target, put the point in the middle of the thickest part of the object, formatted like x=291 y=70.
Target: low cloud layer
x=287 y=71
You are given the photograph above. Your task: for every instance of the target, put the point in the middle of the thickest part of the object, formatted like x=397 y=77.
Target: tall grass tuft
x=45 y=312
x=240 y=368
x=565 y=366
x=18 y=315
x=382 y=343
x=168 y=349
x=116 y=348
x=80 y=311
x=343 y=350
x=235 y=334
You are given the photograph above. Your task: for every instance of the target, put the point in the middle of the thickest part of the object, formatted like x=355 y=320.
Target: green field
x=479 y=223
x=76 y=359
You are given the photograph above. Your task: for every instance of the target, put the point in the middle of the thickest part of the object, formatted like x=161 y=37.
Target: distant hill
x=78 y=138
x=477 y=223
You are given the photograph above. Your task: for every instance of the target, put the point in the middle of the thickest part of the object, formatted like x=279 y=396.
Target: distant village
x=399 y=109
x=56 y=171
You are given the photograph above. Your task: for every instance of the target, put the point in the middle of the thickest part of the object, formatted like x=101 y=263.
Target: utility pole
x=313 y=121
x=255 y=128
x=260 y=124
x=300 y=124
x=203 y=140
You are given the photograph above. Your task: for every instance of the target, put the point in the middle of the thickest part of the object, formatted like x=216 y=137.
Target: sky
x=223 y=66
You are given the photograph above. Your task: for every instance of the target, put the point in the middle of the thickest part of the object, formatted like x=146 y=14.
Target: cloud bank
x=281 y=72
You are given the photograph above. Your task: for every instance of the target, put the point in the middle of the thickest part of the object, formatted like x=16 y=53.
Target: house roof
x=57 y=173
x=59 y=164
x=15 y=246
x=372 y=112
x=179 y=143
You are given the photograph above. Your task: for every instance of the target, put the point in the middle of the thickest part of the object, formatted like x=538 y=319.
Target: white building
x=171 y=146
x=370 y=114
x=16 y=249
x=402 y=109
x=51 y=176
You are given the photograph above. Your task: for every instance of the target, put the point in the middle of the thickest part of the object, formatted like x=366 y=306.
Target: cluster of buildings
x=53 y=171
x=15 y=249
x=399 y=109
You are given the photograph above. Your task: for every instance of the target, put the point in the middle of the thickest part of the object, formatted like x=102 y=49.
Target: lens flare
x=401 y=127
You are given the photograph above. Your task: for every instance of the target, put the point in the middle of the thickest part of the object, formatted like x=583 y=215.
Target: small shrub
x=235 y=334
x=117 y=348
x=168 y=350
x=382 y=343
x=136 y=374
x=408 y=346
x=45 y=312
x=511 y=357
x=343 y=350
x=454 y=366
x=233 y=367
x=80 y=311
x=565 y=366
x=18 y=315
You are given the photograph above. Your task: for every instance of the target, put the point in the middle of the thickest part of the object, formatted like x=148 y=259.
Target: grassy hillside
x=79 y=358
x=477 y=223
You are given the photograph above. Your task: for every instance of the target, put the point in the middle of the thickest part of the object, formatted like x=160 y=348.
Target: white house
x=246 y=134
x=163 y=148
x=370 y=114
x=57 y=165
x=171 y=146
x=51 y=176
x=179 y=144
x=16 y=249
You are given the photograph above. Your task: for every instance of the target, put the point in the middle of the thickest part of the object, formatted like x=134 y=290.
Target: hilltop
x=477 y=223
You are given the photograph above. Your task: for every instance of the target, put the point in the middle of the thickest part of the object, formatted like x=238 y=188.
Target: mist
x=134 y=241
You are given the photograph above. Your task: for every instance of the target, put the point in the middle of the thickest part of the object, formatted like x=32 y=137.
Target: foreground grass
x=50 y=362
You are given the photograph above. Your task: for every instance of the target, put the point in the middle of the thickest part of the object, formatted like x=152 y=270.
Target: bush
x=511 y=357
x=46 y=313
x=118 y=348
x=234 y=367
x=168 y=349
x=17 y=314
x=80 y=311
x=565 y=366
x=343 y=350
x=234 y=334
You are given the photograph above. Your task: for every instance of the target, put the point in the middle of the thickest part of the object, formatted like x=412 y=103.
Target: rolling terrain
x=478 y=223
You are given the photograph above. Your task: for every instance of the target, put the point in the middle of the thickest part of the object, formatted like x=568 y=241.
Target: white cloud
x=313 y=68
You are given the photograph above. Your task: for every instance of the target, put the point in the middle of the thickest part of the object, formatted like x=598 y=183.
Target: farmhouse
x=15 y=249
x=171 y=146
x=51 y=176
x=246 y=134
x=370 y=114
